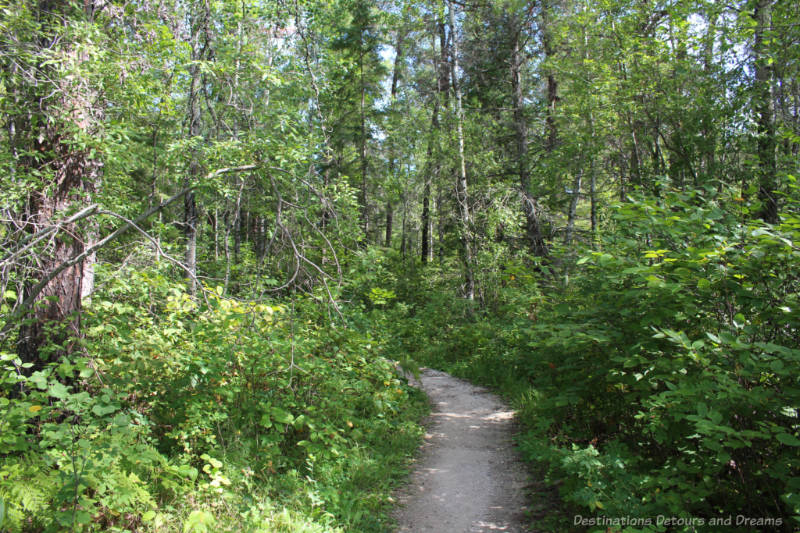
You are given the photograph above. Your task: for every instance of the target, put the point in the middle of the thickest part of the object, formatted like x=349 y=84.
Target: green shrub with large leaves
x=678 y=360
x=208 y=414
x=663 y=378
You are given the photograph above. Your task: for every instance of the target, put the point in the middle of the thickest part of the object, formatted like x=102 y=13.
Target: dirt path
x=468 y=477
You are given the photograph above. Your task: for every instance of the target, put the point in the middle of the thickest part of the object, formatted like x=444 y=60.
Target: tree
x=396 y=75
x=764 y=108
x=462 y=187
x=53 y=111
x=199 y=41
x=530 y=206
x=433 y=164
x=357 y=71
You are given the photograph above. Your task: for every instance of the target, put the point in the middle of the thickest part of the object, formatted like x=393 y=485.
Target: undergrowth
x=207 y=414
x=655 y=383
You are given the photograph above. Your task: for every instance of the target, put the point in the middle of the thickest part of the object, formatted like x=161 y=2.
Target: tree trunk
x=440 y=221
x=215 y=232
x=398 y=61
x=238 y=226
x=403 y=234
x=573 y=207
x=58 y=106
x=593 y=199
x=462 y=191
x=551 y=128
x=764 y=108
x=199 y=23
x=363 y=155
x=709 y=129
x=425 y=251
x=432 y=166
x=389 y=221
x=533 y=234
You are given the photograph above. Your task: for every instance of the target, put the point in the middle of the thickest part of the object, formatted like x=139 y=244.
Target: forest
x=227 y=228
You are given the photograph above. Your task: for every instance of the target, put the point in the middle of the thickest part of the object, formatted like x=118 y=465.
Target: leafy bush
x=204 y=415
x=663 y=379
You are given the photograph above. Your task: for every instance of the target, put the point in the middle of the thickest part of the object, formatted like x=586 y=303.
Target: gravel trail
x=467 y=478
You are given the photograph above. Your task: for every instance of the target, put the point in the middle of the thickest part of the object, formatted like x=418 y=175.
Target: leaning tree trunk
x=530 y=208
x=51 y=112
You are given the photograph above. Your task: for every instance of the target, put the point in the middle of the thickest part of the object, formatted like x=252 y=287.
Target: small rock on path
x=468 y=478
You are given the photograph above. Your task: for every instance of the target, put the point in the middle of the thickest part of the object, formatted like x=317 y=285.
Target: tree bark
x=199 y=23
x=403 y=232
x=387 y=242
x=533 y=234
x=462 y=192
x=398 y=61
x=432 y=166
x=363 y=151
x=573 y=207
x=593 y=200
x=765 y=111
x=709 y=129
x=426 y=251
x=551 y=128
x=56 y=106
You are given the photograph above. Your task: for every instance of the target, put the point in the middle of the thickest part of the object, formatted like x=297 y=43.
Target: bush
x=205 y=415
x=663 y=379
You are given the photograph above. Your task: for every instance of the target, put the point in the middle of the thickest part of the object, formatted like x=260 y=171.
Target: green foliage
x=215 y=415
x=655 y=372
x=662 y=380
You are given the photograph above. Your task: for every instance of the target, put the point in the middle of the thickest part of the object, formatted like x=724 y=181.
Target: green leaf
x=188 y=471
x=102 y=410
x=198 y=522
x=300 y=421
x=39 y=379
x=58 y=390
x=787 y=439
x=83 y=517
x=281 y=416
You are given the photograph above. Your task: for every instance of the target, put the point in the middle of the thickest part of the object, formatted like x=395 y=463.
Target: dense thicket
x=220 y=221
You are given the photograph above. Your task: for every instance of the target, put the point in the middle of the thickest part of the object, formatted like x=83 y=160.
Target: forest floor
x=467 y=477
